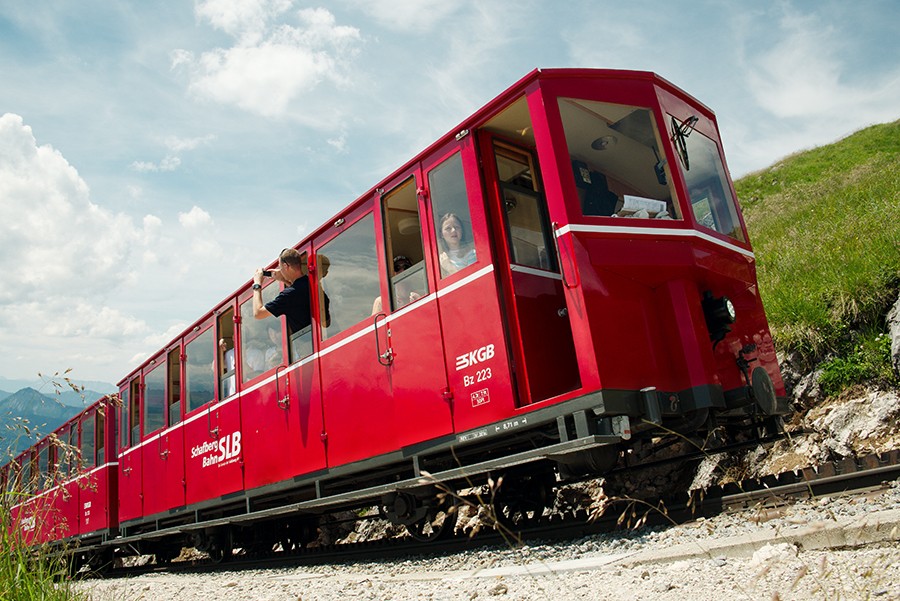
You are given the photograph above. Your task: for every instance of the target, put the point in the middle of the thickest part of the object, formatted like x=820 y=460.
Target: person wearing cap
x=293 y=301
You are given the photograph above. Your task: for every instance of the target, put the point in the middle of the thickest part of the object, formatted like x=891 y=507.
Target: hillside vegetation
x=825 y=226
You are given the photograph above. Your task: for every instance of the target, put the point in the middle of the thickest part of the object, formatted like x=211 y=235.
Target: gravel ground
x=776 y=570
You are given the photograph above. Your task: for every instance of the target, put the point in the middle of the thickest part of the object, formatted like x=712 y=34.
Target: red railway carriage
x=538 y=290
x=64 y=487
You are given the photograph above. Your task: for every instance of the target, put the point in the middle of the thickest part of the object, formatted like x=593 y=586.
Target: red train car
x=64 y=488
x=541 y=288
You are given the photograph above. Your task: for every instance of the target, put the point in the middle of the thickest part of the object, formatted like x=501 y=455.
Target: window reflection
x=199 y=372
x=260 y=338
x=154 y=399
x=712 y=202
x=452 y=220
x=351 y=281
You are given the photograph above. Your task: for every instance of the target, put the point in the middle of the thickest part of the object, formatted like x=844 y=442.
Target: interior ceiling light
x=604 y=142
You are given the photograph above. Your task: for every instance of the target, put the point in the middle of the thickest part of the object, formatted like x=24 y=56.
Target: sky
x=154 y=154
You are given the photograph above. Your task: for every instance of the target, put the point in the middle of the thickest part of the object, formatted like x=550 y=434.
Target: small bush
x=869 y=361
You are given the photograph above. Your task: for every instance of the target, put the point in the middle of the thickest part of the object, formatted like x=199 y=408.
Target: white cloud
x=408 y=15
x=274 y=64
x=51 y=234
x=195 y=218
x=172 y=161
x=73 y=270
x=241 y=18
x=176 y=144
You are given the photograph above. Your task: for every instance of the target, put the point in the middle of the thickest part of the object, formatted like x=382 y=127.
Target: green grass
x=825 y=226
x=28 y=574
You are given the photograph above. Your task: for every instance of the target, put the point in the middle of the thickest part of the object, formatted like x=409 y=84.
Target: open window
x=226 y=350
x=134 y=410
x=405 y=251
x=530 y=237
x=173 y=390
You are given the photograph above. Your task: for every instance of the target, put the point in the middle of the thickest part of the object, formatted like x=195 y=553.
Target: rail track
x=846 y=476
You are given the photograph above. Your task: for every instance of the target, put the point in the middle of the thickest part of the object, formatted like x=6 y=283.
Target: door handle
x=213 y=432
x=283 y=401
x=387 y=357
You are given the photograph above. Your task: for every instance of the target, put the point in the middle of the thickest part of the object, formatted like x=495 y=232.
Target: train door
x=359 y=413
x=407 y=323
x=281 y=420
x=536 y=313
x=212 y=437
x=93 y=503
x=130 y=472
x=477 y=368
x=163 y=445
x=71 y=492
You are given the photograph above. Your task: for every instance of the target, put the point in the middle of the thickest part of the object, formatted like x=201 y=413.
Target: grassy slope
x=825 y=225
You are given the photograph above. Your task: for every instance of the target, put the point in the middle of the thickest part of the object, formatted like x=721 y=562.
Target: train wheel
x=438 y=523
x=519 y=501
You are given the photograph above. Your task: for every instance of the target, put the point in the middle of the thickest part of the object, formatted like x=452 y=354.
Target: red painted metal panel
x=163 y=471
x=130 y=485
x=213 y=451
x=476 y=350
x=283 y=439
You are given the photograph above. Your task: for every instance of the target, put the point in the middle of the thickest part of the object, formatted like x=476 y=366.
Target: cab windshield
x=619 y=169
x=712 y=201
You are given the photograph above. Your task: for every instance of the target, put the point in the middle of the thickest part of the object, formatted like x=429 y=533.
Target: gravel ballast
x=767 y=560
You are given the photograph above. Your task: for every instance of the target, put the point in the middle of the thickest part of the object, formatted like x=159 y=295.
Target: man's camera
x=267 y=273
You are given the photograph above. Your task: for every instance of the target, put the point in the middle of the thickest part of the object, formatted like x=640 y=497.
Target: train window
x=101 y=437
x=403 y=242
x=122 y=410
x=87 y=446
x=134 y=411
x=530 y=238
x=44 y=467
x=617 y=161
x=154 y=400
x=452 y=221
x=199 y=373
x=351 y=280
x=173 y=391
x=28 y=474
x=260 y=338
x=712 y=202
x=225 y=325
x=73 y=453
x=12 y=476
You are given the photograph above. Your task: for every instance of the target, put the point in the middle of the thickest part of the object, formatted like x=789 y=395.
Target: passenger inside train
x=457 y=251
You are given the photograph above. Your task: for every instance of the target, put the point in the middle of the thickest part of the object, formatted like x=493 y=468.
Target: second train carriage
x=577 y=273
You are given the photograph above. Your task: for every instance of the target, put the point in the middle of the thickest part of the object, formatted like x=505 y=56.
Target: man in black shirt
x=293 y=301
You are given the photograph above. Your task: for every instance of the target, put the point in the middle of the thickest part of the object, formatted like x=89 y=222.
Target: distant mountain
x=4 y=394
x=45 y=386
x=27 y=416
